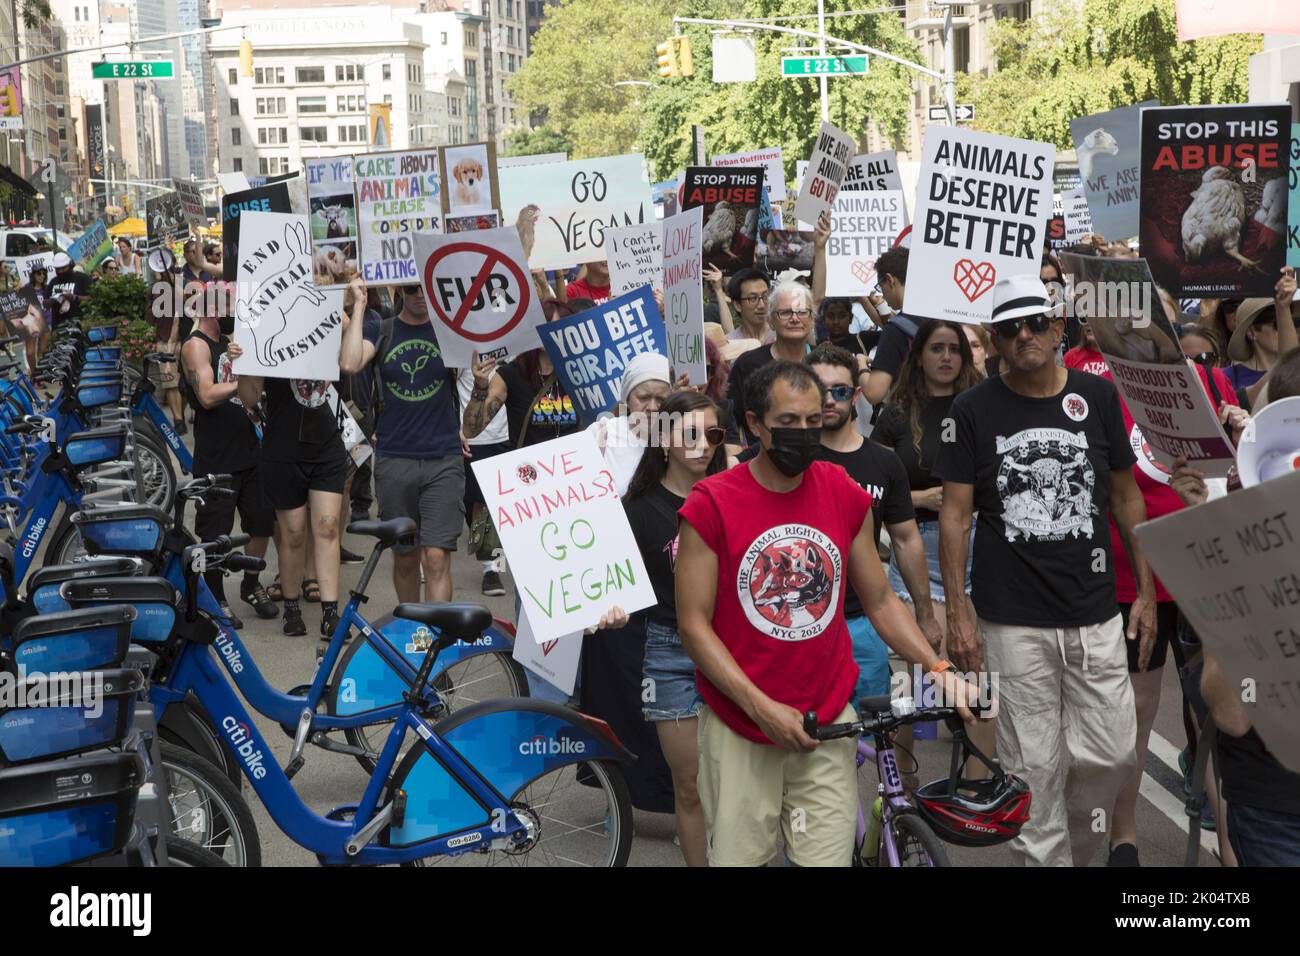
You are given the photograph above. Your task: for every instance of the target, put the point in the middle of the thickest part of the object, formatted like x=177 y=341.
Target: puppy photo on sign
x=469 y=173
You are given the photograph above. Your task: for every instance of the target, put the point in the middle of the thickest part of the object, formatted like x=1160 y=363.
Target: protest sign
x=287 y=327
x=13 y=305
x=826 y=169
x=590 y=350
x=577 y=201
x=480 y=296
x=981 y=215
x=1078 y=220
x=537 y=159
x=863 y=225
x=730 y=199
x=636 y=257
x=769 y=159
x=191 y=200
x=876 y=172
x=1293 y=200
x=781 y=249
x=484 y=220
x=333 y=216
x=272 y=198
x=165 y=220
x=1108 y=147
x=93 y=246
x=565 y=534
x=233 y=182
x=399 y=197
x=1214 y=198
x=23 y=266
x=354 y=440
x=684 y=294
x=1172 y=412
x=1233 y=566
x=555 y=661
x=470 y=172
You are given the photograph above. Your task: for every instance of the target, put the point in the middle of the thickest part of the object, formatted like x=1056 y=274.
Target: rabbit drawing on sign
x=265 y=312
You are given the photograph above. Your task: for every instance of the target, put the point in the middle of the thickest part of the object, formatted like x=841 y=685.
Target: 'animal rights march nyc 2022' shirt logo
x=409 y=373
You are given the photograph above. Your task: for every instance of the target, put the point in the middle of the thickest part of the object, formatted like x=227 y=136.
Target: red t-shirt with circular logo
x=782 y=577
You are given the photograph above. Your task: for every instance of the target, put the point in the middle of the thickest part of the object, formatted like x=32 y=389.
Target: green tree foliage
x=531 y=142
x=1085 y=57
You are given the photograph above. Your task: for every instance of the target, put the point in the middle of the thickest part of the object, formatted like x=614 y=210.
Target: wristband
x=478 y=394
x=940 y=666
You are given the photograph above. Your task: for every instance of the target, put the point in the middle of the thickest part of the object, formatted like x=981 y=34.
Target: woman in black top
x=658 y=488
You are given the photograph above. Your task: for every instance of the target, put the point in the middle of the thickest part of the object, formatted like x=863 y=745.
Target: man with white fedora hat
x=1041 y=453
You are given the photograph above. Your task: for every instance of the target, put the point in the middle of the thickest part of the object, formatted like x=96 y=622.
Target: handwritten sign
x=982 y=205
x=636 y=256
x=826 y=169
x=1108 y=146
x=1078 y=220
x=1233 y=566
x=577 y=201
x=398 y=197
x=191 y=200
x=333 y=216
x=771 y=161
x=479 y=293
x=565 y=534
x=590 y=350
x=863 y=225
x=287 y=327
x=1293 y=200
x=684 y=294
x=92 y=247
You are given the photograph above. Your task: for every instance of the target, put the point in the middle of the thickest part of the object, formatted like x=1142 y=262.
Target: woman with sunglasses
x=662 y=481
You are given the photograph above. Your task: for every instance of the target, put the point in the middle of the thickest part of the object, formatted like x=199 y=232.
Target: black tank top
x=224 y=438
x=300 y=425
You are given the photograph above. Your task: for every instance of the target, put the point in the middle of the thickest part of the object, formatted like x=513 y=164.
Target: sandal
x=274 y=592
x=311 y=590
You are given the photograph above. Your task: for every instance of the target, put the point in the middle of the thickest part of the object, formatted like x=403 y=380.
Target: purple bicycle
x=895 y=834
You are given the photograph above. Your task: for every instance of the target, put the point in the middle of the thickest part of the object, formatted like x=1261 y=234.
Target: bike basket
x=68 y=714
x=154 y=601
x=67 y=811
x=136 y=531
x=43 y=584
x=96 y=447
x=101 y=333
x=82 y=640
x=100 y=394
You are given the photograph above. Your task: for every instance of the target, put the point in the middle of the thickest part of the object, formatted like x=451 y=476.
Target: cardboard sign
x=1161 y=388
x=24 y=266
x=731 y=199
x=590 y=350
x=684 y=294
x=332 y=212
x=470 y=172
x=1078 y=220
x=1293 y=200
x=398 y=197
x=863 y=225
x=480 y=296
x=13 y=305
x=555 y=661
x=191 y=199
x=577 y=201
x=92 y=247
x=981 y=214
x=1214 y=198
x=636 y=257
x=1233 y=566
x=827 y=167
x=565 y=534
x=1108 y=147
x=165 y=221
x=272 y=198
x=773 y=168
x=287 y=327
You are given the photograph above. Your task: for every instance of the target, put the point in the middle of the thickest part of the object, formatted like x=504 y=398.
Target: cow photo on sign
x=730 y=198
x=333 y=219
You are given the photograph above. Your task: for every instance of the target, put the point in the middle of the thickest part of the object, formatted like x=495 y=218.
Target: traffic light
x=668 y=58
x=684 y=56
x=9 y=101
x=245 y=58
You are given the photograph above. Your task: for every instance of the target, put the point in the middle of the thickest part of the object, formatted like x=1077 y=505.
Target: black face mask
x=226 y=324
x=794 y=449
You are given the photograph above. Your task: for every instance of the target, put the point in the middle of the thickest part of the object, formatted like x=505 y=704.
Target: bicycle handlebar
x=243 y=562
x=875 y=724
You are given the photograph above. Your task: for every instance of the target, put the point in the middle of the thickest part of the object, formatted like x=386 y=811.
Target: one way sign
x=939 y=114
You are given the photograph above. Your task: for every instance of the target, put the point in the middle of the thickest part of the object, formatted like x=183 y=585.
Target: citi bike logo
x=33 y=537
x=542 y=746
x=241 y=739
x=234 y=660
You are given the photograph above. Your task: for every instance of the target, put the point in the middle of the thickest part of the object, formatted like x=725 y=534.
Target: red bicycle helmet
x=974 y=812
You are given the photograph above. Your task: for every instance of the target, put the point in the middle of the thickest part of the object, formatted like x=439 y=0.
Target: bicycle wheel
x=157 y=476
x=581 y=815
x=487 y=676
x=206 y=808
x=65 y=547
x=184 y=853
x=917 y=844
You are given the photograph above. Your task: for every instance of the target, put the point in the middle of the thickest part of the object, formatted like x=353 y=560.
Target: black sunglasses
x=1205 y=358
x=840 y=393
x=715 y=435
x=1010 y=328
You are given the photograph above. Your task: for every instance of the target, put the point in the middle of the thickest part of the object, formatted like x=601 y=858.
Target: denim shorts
x=872 y=657
x=671 y=675
x=930 y=540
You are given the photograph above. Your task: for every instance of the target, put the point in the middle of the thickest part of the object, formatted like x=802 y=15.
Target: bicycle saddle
x=879 y=704
x=458 y=621
x=388 y=532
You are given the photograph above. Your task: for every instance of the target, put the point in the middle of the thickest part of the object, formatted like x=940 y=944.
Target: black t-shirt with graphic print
x=419 y=418
x=549 y=414
x=300 y=425
x=1041 y=473
x=653 y=518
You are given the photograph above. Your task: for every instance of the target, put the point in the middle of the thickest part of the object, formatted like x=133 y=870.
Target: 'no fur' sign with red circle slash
x=479 y=294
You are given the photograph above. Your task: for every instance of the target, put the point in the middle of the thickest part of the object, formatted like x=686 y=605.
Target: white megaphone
x=1270 y=443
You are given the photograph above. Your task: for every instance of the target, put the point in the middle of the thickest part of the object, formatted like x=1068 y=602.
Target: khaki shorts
x=750 y=792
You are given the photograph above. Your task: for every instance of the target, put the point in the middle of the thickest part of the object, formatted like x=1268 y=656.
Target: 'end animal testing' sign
x=479 y=294
x=565 y=534
x=982 y=206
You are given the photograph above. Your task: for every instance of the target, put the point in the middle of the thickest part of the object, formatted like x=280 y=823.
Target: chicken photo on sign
x=1107 y=147
x=1214 y=198
x=731 y=198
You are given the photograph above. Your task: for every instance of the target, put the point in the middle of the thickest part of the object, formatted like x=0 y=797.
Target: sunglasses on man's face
x=1010 y=328
x=840 y=393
